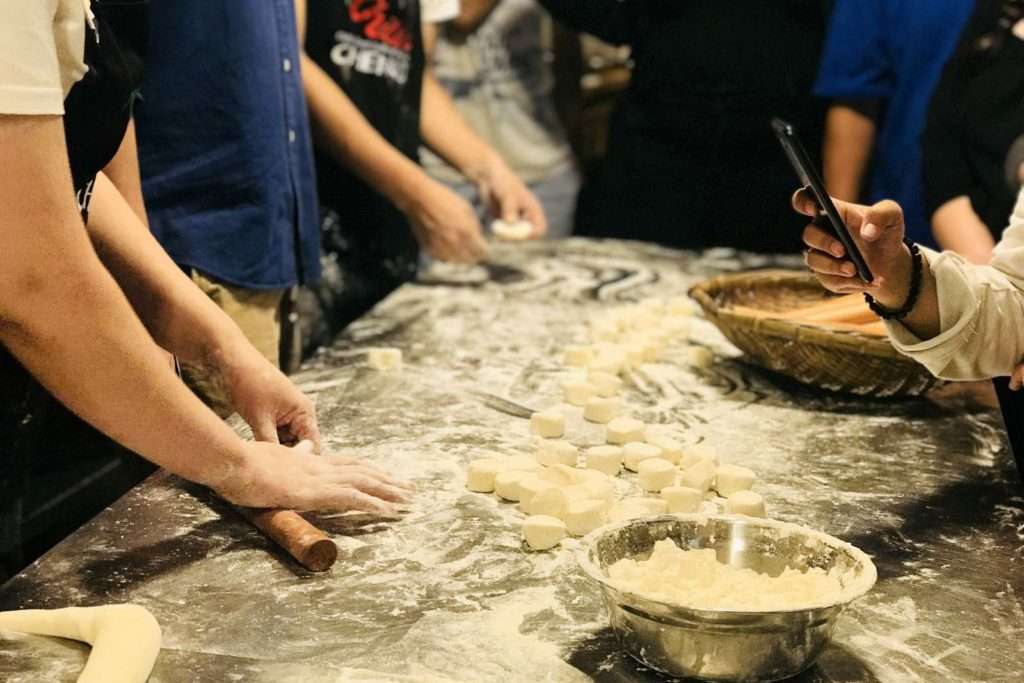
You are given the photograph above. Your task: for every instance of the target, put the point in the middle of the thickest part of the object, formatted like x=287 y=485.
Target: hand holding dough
x=125 y=639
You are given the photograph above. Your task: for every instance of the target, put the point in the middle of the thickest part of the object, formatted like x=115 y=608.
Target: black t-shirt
x=374 y=51
x=976 y=115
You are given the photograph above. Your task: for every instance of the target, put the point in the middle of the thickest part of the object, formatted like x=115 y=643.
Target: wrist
x=412 y=191
x=483 y=167
x=896 y=286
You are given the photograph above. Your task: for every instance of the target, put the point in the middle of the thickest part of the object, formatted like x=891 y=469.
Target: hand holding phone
x=828 y=217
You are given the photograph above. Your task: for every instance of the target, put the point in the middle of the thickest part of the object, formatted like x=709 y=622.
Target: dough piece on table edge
x=542 y=532
x=125 y=639
x=385 y=359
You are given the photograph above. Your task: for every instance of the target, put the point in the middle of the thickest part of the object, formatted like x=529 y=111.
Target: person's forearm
x=448 y=135
x=958 y=228
x=849 y=138
x=123 y=172
x=177 y=314
x=343 y=132
x=64 y=318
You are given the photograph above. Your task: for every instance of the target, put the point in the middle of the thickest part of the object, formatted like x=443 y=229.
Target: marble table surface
x=447 y=593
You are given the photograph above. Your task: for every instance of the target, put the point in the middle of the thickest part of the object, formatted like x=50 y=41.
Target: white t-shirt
x=42 y=54
x=437 y=11
x=501 y=82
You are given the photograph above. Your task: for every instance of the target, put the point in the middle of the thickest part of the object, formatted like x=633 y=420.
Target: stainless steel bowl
x=725 y=645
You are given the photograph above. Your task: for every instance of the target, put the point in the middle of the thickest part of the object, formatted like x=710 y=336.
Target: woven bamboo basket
x=845 y=362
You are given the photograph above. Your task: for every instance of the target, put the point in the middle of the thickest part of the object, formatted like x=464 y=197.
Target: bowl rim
x=855 y=591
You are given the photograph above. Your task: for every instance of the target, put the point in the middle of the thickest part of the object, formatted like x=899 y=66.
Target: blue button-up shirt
x=224 y=144
x=893 y=51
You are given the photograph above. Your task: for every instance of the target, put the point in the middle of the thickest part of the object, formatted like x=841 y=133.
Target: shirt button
x=287 y=65
x=291 y=136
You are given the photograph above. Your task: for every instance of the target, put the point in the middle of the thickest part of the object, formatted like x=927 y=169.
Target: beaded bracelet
x=912 y=296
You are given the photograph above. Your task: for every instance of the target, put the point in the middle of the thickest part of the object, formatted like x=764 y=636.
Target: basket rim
x=704 y=293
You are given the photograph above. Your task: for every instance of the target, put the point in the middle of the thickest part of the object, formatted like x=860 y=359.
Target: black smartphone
x=828 y=216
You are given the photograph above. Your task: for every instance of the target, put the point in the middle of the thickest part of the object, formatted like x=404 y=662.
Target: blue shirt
x=893 y=51
x=224 y=144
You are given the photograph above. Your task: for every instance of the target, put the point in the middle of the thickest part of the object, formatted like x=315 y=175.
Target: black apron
x=97 y=113
x=374 y=52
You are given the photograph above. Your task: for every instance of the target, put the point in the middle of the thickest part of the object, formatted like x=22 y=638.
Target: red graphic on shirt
x=378 y=24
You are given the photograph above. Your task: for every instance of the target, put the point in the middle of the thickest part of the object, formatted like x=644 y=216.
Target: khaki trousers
x=257 y=314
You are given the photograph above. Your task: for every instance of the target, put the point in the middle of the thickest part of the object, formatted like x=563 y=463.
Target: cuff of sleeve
x=957 y=305
x=20 y=101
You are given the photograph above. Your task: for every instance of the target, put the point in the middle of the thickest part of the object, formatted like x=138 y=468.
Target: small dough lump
x=635 y=453
x=481 y=475
x=578 y=356
x=549 y=424
x=385 y=359
x=682 y=499
x=623 y=430
x=730 y=479
x=671 y=449
x=578 y=392
x=550 y=453
x=656 y=474
x=512 y=231
x=607 y=459
x=602 y=410
x=745 y=503
x=542 y=532
x=583 y=516
x=607 y=385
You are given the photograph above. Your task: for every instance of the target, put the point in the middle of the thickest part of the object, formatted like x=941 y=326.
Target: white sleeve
x=30 y=67
x=437 y=11
x=981 y=312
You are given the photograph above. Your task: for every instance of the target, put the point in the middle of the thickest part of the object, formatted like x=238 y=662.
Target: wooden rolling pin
x=308 y=545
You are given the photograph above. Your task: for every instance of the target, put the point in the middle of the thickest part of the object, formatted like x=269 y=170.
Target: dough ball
x=623 y=430
x=560 y=475
x=529 y=487
x=602 y=410
x=700 y=476
x=632 y=508
x=578 y=356
x=385 y=359
x=635 y=453
x=517 y=462
x=745 y=503
x=512 y=231
x=682 y=498
x=699 y=357
x=671 y=449
x=610 y=360
x=730 y=479
x=481 y=475
x=656 y=474
x=598 y=490
x=543 y=533
x=551 y=502
x=551 y=453
x=506 y=484
x=578 y=392
x=549 y=424
x=606 y=385
x=606 y=459
x=583 y=516
x=696 y=453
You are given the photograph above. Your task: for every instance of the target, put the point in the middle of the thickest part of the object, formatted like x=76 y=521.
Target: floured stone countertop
x=926 y=486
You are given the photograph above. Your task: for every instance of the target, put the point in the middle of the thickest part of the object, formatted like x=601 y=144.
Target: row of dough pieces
x=683 y=477
x=562 y=498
